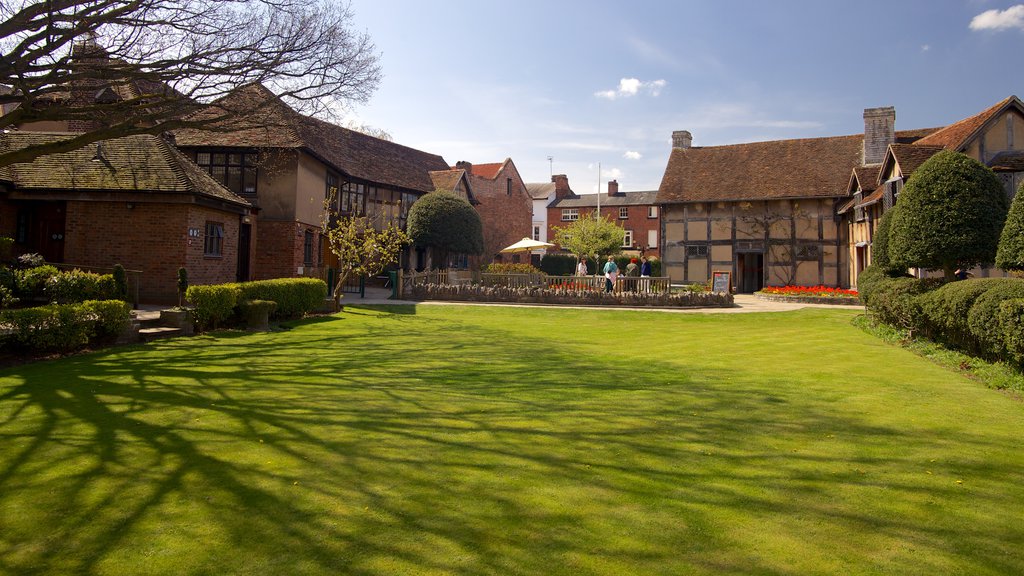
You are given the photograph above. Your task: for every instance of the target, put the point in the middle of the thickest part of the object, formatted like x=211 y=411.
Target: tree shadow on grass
x=376 y=447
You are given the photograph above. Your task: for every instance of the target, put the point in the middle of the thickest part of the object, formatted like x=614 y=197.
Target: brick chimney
x=463 y=165
x=681 y=139
x=561 y=186
x=879 y=132
x=613 y=187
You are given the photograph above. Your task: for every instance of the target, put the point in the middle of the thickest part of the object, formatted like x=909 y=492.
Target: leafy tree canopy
x=443 y=220
x=591 y=237
x=1010 y=255
x=950 y=215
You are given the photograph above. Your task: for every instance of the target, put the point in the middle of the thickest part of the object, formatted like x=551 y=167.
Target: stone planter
x=257 y=314
x=180 y=318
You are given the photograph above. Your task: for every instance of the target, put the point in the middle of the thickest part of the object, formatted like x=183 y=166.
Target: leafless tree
x=111 y=68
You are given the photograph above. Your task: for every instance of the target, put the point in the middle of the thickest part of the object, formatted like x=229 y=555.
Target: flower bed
x=536 y=295
x=810 y=295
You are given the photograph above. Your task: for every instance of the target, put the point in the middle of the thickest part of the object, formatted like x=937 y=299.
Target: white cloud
x=1012 y=17
x=632 y=155
x=613 y=174
x=631 y=87
x=925 y=47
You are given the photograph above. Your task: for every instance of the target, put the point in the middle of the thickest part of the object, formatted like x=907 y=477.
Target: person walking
x=581 y=268
x=611 y=274
x=645 y=272
x=632 y=271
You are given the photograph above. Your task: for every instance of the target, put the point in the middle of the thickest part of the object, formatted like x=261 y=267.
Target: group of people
x=611 y=270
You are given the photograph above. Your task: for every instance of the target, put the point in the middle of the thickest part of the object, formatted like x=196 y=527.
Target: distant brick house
x=504 y=205
x=286 y=164
x=636 y=212
x=134 y=201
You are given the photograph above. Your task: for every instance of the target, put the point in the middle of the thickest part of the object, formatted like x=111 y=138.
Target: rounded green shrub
x=213 y=303
x=294 y=297
x=983 y=316
x=1011 y=326
x=946 y=309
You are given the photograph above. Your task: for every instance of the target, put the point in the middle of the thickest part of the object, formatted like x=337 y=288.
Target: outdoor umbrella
x=526 y=245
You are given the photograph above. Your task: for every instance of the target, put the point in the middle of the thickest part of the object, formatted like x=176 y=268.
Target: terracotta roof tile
x=269 y=123
x=489 y=171
x=911 y=156
x=866 y=177
x=446 y=180
x=872 y=198
x=845 y=206
x=141 y=163
x=808 y=168
x=954 y=136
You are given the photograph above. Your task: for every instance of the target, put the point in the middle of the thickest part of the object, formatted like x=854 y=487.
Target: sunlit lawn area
x=468 y=440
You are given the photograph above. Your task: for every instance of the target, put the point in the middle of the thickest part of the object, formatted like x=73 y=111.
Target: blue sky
x=608 y=81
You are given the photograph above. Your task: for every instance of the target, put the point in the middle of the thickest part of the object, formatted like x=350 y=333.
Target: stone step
x=158 y=332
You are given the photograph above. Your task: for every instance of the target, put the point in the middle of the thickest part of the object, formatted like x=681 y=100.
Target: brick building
x=636 y=212
x=134 y=201
x=504 y=205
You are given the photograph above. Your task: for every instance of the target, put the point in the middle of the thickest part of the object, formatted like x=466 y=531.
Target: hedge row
x=980 y=316
x=63 y=327
x=220 y=303
x=49 y=283
x=547 y=296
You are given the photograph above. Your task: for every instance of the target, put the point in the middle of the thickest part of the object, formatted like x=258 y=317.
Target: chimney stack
x=613 y=187
x=681 y=139
x=463 y=165
x=561 y=186
x=879 y=132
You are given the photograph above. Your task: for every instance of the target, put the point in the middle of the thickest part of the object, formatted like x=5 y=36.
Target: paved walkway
x=743 y=303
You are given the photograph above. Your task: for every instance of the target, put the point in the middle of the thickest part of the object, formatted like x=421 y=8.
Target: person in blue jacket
x=611 y=274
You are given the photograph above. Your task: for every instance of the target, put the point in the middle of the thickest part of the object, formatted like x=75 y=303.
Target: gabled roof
x=872 y=198
x=864 y=178
x=270 y=123
x=1008 y=161
x=141 y=163
x=449 y=180
x=908 y=156
x=489 y=171
x=845 y=205
x=955 y=136
x=647 y=198
x=807 y=168
x=540 y=190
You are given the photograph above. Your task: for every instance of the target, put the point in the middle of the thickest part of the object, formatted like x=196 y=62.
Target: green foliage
x=1011 y=324
x=31 y=282
x=64 y=327
x=950 y=215
x=110 y=317
x=562 y=264
x=880 y=245
x=293 y=297
x=1010 y=255
x=78 y=286
x=596 y=238
x=894 y=300
x=363 y=248
x=6 y=243
x=256 y=312
x=213 y=303
x=945 y=311
x=983 y=318
x=31 y=260
x=120 y=282
x=443 y=220
x=503 y=268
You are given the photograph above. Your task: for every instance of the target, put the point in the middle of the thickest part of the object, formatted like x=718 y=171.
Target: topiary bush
x=983 y=317
x=503 y=268
x=894 y=301
x=1011 y=326
x=213 y=303
x=120 y=282
x=1010 y=255
x=78 y=286
x=295 y=297
x=945 y=310
x=109 y=317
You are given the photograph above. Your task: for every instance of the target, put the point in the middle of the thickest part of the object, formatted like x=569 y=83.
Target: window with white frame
x=213 y=244
x=652 y=239
x=570 y=214
x=627 y=241
x=652 y=211
x=623 y=213
x=536 y=232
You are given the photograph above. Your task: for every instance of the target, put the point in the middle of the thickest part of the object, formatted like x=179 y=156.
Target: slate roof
x=141 y=163
x=805 y=168
x=956 y=135
x=270 y=123
x=621 y=199
x=540 y=190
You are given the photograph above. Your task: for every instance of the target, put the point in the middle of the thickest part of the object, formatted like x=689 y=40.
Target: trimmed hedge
x=476 y=293
x=983 y=318
x=213 y=303
x=1011 y=324
x=63 y=327
x=294 y=296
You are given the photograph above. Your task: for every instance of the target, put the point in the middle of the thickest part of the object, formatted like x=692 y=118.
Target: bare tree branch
x=110 y=68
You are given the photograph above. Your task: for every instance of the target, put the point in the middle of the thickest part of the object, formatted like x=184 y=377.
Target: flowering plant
x=816 y=291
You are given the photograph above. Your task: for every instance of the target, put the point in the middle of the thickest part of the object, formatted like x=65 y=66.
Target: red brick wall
x=638 y=222
x=152 y=238
x=280 y=249
x=506 y=218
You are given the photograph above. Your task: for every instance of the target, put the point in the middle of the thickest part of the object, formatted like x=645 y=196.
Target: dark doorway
x=750 y=272
x=244 y=244
x=41 y=229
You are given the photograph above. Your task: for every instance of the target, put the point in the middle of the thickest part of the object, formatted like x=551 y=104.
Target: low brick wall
x=809 y=299
x=535 y=295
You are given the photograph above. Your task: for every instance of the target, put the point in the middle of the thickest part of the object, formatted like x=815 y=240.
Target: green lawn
x=468 y=440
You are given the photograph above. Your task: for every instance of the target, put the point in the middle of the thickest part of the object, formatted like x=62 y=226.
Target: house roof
x=845 y=205
x=270 y=123
x=1008 y=161
x=447 y=180
x=540 y=190
x=621 y=199
x=815 y=167
x=489 y=171
x=872 y=198
x=956 y=135
x=908 y=156
x=864 y=178
x=140 y=163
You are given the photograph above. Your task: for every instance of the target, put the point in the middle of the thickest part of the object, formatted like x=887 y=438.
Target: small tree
x=950 y=215
x=880 y=257
x=1010 y=255
x=364 y=246
x=593 y=237
x=444 y=221
x=182 y=284
x=121 y=282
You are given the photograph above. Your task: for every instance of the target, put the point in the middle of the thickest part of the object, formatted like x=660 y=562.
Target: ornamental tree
x=1010 y=255
x=364 y=246
x=594 y=237
x=444 y=221
x=950 y=215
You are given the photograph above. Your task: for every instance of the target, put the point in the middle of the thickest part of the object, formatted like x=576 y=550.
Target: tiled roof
x=846 y=205
x=1009 y=161
x=270 y=123
x=956 y=135
x=865 y=177
x=620 y=199
x=141 y=163
x=808 y=168
x=540 y=190
x=489 y=171
x=909 y=156
x=446 y=180
x=911 y=136
x=872 y=198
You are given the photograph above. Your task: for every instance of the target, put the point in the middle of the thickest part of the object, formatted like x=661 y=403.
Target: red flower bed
x=817 y=291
